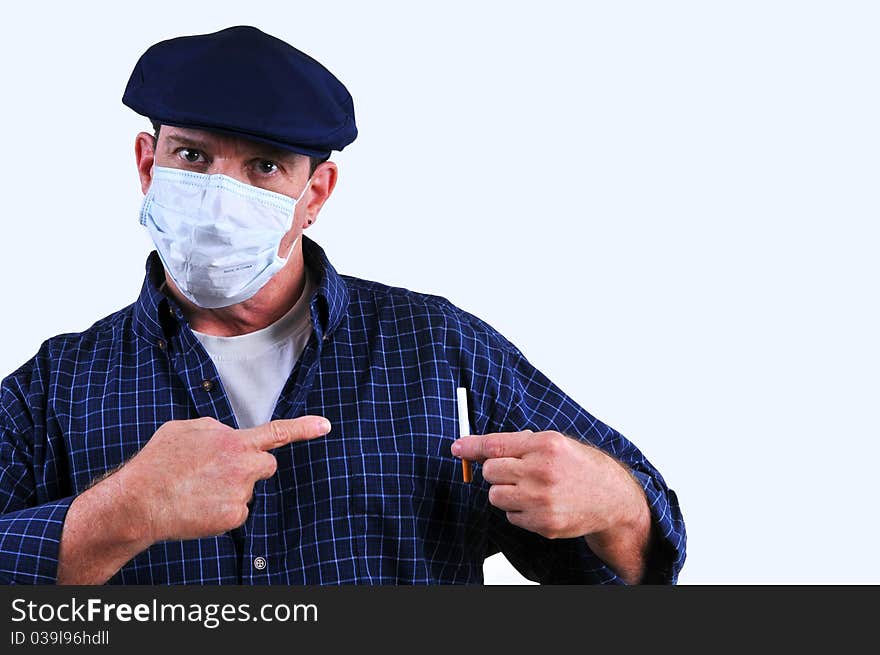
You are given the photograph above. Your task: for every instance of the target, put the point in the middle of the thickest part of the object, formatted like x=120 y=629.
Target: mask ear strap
x=305 y=188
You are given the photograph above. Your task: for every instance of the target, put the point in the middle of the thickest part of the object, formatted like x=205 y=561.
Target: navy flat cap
x=244 y=82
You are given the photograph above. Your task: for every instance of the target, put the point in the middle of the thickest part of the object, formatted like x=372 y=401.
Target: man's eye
x=190 y=155
x=266 y=166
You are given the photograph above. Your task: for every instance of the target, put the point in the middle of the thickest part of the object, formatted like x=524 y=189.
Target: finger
x=267 y=466
x=503 y=470
x=506 y=497
x=478 y=448
x=284 y=431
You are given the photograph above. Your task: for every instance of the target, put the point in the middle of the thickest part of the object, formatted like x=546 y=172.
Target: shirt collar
x=330 y=302
x=155 y=314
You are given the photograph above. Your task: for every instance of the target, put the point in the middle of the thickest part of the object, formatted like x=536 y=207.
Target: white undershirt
x=254 y=367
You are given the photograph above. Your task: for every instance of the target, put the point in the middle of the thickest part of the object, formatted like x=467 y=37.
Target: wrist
x=635 y=514
x=631 y=514
x=131 y=505
x=102 y=531
x=625 y=543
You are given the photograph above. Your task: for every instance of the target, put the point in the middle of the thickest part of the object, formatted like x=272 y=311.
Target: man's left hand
x=549 y=483
x=558 y=487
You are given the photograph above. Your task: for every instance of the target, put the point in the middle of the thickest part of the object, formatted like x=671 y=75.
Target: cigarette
x=464 y=429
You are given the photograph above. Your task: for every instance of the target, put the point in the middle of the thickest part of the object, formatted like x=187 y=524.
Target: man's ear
x=323 y=181
x=144 y=154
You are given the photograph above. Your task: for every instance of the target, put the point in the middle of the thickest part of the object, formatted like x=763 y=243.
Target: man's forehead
x=205 y=138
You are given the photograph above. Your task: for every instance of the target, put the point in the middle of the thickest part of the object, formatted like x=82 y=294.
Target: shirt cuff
x=668 y=536
x=29 y=542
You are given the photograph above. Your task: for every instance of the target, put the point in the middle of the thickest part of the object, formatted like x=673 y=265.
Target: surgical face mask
x=217 y=237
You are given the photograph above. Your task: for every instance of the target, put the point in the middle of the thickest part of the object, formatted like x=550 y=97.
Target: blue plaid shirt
x=378 y=500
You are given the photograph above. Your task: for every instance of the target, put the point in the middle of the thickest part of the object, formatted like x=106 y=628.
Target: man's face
x=247 y=161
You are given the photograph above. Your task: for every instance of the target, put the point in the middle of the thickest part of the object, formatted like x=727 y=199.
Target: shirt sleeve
x=532 y=402
x=29 y=541
x=30 y=523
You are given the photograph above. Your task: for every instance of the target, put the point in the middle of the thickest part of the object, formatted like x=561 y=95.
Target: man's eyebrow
x=189 y=141
x=272 y=152
x=258 y=149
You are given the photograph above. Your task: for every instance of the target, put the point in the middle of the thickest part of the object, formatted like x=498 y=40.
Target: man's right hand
x=195 y=478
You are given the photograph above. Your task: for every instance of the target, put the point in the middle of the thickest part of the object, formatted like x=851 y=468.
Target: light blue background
x=671 y=207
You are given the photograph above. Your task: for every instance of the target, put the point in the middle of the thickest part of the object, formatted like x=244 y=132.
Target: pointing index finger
x=284 y=431
x=489 y=446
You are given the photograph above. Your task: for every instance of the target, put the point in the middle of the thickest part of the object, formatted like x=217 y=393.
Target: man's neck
x=269 y=304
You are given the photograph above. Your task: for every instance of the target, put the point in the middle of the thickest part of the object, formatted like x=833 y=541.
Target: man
x=255 y=417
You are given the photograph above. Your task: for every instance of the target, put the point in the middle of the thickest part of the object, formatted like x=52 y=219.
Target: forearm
x=103 y=530
x=625 y=545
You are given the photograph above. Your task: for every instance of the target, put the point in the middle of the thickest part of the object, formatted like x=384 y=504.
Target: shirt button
x=259 y=563
x=161 y=344
x=207 y=385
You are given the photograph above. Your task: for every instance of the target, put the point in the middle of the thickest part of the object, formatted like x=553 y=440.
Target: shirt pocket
x=418 y=513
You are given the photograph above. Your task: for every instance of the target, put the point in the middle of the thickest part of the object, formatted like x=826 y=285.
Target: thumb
x=284 y=431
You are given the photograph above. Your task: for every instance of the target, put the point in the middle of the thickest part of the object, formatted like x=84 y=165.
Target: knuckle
x=546 y=529
x=549 y=443
x=494 y=447
x=247 y=492
x=494 y=495
x=557 y=526
x=170 y=429
x=554 y=525
x=265 y=467
x=547 y=533
x=520 y=520
x=277 y=433
x=167 y=426
x=489 y=471
x=232 y=515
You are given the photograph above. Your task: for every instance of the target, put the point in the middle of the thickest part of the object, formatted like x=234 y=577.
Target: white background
x=670 y=207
